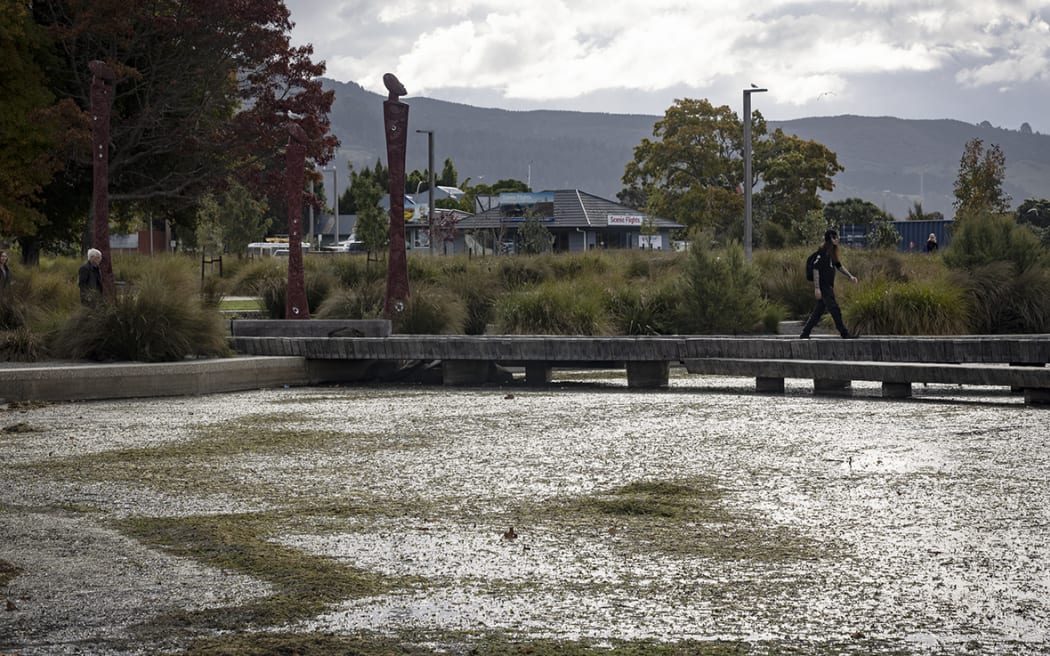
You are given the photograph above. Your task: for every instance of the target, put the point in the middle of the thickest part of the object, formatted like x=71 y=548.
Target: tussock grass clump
x=158 y=319
x=554 y=308
x=431 y=310
x=1003 y=302
x=520 y=271
x=22 y=345
x=364 y=301
x=272 y=289
x=648 y=310
x=478 y=291
x=354 y=270
x=934 y=307
x=782 y=279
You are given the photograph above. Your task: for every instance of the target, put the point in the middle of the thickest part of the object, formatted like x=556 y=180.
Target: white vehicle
x=271 y=248
x=350 y=245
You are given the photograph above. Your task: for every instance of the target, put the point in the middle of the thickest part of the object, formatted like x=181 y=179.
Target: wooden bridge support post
x=831 y=386
x=1036 y=396
x=464 y=372
x=648 y=375
x=892 y=390
x=537 y=374
x=768 y=385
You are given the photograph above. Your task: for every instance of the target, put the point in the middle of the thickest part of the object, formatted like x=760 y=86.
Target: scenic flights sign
x=624 y=219
x=526 y=198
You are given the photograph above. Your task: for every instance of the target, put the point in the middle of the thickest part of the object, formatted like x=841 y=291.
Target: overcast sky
x=971 y=60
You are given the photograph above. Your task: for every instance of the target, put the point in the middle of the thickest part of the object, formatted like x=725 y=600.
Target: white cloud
x=561 y=50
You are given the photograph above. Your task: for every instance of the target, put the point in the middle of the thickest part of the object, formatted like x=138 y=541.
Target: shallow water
x=923 y=523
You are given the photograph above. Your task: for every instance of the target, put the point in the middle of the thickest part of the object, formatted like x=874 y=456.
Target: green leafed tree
x=32 y=126
x=979 y=187
x=228 y=221
x=534 y=237
x=204 y=90
x=691 y=170
x=373 y=227
x=793 y=172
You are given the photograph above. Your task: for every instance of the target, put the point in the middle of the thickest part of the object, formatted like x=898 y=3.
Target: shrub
x=1002 y=302
x=782 y=279
x=431 y=310
x=272 y=289
x=884 y=307
x=554 y=308
x=520 y=271
x=478 y=292
x=160 y=318
x=982 y=239
x=720 y=293
x=362 y=302
x=649 y=310
x=22 y=345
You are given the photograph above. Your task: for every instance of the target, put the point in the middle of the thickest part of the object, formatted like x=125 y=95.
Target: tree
x=32 y=125
x=533 y=237
x=230 y=220
x=979 y=187
x=1036 y=214
x=916 y=213
x=692 y=171
x=793 y=172
x=204 y=90
x=854 y=211
x=372 y=226
x=449 y=177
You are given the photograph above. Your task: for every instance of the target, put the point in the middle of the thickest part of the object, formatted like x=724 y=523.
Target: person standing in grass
x=931 y=244
x=5 y=271
x=90 y=278
x=824 y=262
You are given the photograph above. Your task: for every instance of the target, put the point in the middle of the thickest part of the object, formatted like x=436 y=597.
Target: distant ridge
x=891 y=162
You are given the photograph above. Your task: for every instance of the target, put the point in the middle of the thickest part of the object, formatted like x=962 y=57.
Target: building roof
x=572 y=209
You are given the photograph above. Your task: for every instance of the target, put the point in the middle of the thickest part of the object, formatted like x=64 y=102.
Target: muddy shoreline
x=795 y=522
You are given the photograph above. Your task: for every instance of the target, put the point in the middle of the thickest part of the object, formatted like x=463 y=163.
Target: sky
x=970 y=60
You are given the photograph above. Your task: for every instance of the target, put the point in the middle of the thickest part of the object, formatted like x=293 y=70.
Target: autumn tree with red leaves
x=203 y=94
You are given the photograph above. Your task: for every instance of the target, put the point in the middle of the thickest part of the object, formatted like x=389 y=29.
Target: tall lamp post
x=335 y=201
x=430 y=185
x=747 y=169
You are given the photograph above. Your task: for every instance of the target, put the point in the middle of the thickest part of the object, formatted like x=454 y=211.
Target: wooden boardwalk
x=1016 y=361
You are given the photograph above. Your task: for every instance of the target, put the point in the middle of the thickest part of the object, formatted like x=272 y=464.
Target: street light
x=747 y=169
x=335 y=199
x=430 y=183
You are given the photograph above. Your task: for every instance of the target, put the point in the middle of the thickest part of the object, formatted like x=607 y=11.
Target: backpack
x=811 y=263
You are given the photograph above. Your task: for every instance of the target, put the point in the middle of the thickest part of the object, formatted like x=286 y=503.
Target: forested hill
x=889 y=161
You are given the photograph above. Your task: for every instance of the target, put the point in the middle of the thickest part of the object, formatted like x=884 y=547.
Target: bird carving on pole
x=394 y=86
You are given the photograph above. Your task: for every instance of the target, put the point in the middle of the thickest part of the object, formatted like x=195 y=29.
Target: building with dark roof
x=578 y=221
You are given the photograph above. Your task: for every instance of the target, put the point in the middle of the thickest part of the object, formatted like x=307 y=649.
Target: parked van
x=270 y=249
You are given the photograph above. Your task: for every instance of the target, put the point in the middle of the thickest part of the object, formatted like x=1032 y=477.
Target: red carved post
x=395 y=115
x=101 y=103
x=295 y=303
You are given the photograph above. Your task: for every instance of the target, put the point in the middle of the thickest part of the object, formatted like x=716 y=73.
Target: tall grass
x=885 y=307
x=568 y=307
x=1003 y=302
x=159 y=318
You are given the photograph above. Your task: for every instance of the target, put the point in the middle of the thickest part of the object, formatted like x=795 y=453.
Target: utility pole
x=747 y=169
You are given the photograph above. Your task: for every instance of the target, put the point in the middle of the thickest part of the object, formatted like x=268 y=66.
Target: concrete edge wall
x=138 y=380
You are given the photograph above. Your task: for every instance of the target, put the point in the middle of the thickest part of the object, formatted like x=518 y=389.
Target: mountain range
x=891 y=162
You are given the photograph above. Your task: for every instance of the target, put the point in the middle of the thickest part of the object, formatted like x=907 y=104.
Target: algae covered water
x=580 y=512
